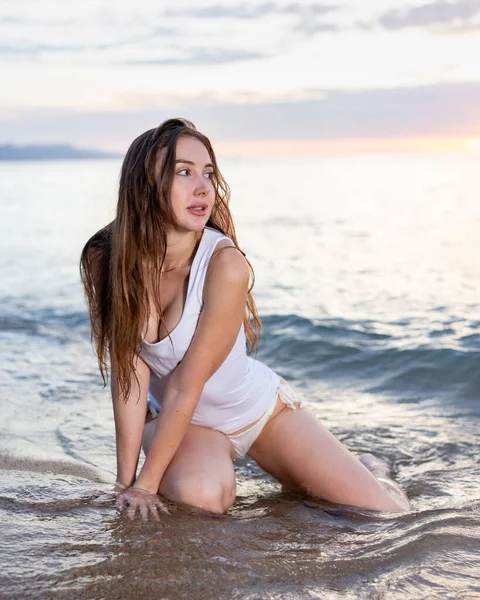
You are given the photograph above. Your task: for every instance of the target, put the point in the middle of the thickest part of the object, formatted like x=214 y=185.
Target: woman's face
x=192 y=195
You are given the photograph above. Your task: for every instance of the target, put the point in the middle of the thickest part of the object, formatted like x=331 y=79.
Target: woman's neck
x=180 y=247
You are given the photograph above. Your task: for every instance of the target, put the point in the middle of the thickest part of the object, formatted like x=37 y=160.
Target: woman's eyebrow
x=190 y=162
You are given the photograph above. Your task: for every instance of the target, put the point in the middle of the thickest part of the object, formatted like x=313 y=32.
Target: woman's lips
x=199 y=210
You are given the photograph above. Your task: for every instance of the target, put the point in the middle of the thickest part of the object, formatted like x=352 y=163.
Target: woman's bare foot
x=380 y=469
x=376 y=466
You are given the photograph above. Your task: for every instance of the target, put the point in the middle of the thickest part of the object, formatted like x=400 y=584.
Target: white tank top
x=241 y=389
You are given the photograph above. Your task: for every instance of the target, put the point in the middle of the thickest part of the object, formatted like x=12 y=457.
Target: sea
x=367 y=280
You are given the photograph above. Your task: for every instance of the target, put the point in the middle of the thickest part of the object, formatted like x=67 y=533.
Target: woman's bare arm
x=130 y=420
x=225 y=295
x=129 y=414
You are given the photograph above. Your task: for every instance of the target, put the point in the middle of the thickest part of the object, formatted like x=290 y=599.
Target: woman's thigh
x=299 y=451
x=201 y=473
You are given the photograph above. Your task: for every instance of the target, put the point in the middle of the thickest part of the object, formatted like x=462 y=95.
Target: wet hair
x=120 y=265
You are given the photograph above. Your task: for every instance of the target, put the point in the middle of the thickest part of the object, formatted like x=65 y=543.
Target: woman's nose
x=202 y=187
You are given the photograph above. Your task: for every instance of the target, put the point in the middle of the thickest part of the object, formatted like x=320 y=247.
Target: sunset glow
x=345 y=147
x=272 y=78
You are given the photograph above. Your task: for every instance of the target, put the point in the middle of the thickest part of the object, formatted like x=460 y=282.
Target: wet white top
x=241 y=389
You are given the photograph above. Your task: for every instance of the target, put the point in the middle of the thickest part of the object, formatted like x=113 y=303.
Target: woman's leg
x=299 y=451
x=201 y=473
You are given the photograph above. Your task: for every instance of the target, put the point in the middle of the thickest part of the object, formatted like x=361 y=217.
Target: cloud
x=15 y=20
x=310 y=28
x=242 y=11
x=432 y=110
x=39 y=49
x=199 y=56
x=33 y=46
x=440 y=13
x=307 y=14
x=441 y=110
x=308 y=9
x=154 y=33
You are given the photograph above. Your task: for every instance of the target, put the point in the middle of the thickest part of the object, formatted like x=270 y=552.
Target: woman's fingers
x=154 y=511
x=120 y=502
x=145 y=503
x=132 y=509
x=103 y=499
x=160 y=505
x=144 y=508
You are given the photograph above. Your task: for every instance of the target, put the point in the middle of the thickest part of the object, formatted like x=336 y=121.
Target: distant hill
x=11 y=152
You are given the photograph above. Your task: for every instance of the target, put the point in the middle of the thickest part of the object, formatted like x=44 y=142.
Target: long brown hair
x=120 y=265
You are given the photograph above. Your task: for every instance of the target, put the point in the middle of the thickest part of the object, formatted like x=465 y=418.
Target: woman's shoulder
x=228 y=262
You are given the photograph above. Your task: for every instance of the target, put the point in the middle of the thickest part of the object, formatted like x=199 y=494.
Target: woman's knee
x=202 y=492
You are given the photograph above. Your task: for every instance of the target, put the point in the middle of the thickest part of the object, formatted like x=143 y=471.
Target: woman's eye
x=186 y=171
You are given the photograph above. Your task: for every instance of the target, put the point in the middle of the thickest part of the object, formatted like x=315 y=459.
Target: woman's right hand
x=100 y=497
x=133 y=499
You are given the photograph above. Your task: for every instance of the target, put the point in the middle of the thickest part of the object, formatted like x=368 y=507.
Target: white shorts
x=242 y=442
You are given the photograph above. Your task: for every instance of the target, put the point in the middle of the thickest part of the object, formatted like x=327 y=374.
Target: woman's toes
x=376 y=466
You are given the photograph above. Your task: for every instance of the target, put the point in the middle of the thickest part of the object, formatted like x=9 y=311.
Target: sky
x=259 y=78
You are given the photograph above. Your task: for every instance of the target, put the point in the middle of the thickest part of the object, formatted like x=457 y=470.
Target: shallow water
x=367 y=281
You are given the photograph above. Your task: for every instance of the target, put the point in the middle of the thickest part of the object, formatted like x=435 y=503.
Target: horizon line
x=258 y=148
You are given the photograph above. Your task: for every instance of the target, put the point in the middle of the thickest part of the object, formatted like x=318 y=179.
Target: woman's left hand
x=135 y=498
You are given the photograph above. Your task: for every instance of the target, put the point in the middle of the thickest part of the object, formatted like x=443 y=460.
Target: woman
x=171 y=310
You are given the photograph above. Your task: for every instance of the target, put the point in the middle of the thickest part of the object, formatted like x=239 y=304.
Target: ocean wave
x=44 y=322
x=381 y=357
x=353 y=351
